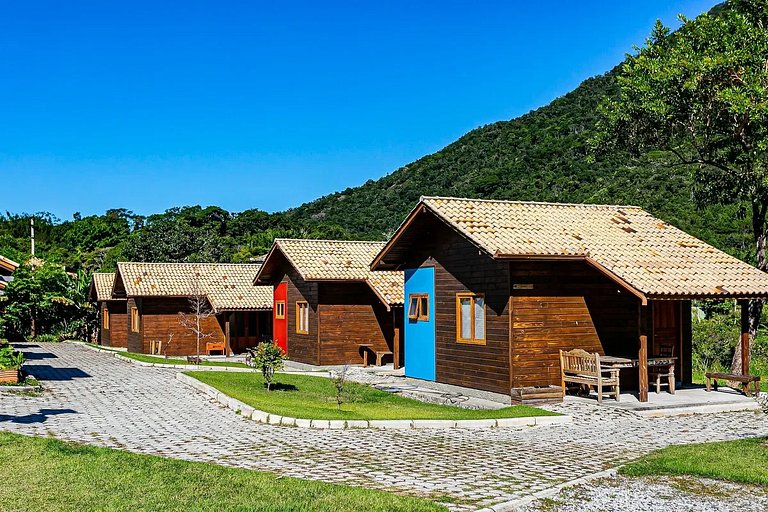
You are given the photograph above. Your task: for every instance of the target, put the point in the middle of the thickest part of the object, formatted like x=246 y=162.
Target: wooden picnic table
x=625 y=362
x=664 y=367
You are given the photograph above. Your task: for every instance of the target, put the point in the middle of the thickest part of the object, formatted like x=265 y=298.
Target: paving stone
x=95 y=398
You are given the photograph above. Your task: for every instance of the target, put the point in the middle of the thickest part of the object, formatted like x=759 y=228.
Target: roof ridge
x=179 y=263
x=538 y=203
x=329 y=240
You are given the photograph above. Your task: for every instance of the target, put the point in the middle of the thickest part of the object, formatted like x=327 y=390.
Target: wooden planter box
x=537 y=395
x=9 y=376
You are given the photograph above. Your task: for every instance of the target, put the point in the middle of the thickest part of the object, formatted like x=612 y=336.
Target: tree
x=268 y=358
x=35 y=301
x=700 y=96
x=200 y=311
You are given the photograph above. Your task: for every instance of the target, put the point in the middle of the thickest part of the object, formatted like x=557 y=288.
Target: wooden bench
x=580 y=367
x=745 y=381
x=215 y=347
x=379 y=355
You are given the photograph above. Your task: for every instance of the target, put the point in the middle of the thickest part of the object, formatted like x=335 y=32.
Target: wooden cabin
x=7 y=268
x=160 y=297
x=113 y=318
x=495 y=289
x=329 y=308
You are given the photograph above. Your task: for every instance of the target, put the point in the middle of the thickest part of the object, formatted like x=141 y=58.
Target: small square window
x=418 y=307
x=280 y=310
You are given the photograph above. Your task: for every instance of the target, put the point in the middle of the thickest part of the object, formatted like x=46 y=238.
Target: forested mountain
x=543 y=155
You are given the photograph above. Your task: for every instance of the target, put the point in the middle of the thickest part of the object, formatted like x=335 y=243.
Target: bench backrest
x=580 y=361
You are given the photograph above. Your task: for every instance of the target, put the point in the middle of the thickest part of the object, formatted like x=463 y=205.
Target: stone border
x=249 y=412
x=182 y=366
x=20 y=389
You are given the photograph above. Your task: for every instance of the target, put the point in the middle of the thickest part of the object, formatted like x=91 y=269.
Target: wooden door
x=280 y=316
x=420 y=359
x=667 y=330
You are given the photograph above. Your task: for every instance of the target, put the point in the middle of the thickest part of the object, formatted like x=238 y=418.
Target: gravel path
x=95 y=398
x=656 y=494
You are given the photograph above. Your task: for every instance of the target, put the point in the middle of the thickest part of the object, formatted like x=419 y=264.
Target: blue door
x=420 y=323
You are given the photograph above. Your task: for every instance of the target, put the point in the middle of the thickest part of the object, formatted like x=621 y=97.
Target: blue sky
x=149 y=105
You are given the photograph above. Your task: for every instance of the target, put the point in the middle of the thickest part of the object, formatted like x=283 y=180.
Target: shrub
x=46 y=338
x=269 y=358
x=714 y=341
x=10 y=359
x=339 y=379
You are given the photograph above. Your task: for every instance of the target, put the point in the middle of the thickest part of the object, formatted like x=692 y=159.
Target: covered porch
x=245 y=329
x=665 y=342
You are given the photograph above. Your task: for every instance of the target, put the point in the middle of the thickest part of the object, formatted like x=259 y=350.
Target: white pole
x=32 y=232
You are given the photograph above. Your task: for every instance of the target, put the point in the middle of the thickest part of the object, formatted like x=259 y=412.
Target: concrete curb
x=512 y=505
x=273 y=419
x=20 y=389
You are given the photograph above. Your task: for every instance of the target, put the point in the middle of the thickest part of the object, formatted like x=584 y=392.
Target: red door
x=279 y=315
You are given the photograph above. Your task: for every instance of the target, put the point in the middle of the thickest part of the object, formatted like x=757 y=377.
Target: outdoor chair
x=663 y=375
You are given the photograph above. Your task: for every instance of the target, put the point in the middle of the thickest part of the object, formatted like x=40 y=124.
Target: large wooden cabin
x=157 y=297
x=113 y=318
x=494 y=289
x=329 y=308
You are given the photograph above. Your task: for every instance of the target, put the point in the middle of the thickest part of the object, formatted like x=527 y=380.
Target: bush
x=10 y=359
x=46 y=338
x=269 y=359
x=714 y=341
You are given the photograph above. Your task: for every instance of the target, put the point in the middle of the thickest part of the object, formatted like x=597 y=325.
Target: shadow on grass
x=38 y=417
x=279 y=386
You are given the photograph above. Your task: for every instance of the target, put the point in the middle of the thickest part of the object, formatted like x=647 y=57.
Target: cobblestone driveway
x=94 y=398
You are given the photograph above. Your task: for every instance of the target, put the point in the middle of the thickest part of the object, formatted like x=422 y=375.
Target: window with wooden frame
x=470 y=318
x=418 y=307
x=135 y=322
x=280 y=309
x=302 y=317
x=105 y=319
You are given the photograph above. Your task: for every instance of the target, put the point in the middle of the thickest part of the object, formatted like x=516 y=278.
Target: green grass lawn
x=744 y=461
x=47 y=474
x=302 y=396
x=161 y=360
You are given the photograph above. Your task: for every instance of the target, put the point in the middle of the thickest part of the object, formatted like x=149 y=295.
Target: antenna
x=32 y=233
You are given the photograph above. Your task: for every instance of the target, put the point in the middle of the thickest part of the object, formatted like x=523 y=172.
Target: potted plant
x=10 y=363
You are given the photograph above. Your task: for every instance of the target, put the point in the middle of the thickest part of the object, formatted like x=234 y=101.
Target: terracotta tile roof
x=101 y=286
x=228 y=286
x=8 y=264
x=651 y=256
x=339 y=260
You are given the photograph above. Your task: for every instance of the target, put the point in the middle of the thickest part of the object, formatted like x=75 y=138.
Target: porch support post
x=396 y=349
x=744 y=336
x=227 y=348
x=642 y=356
